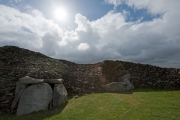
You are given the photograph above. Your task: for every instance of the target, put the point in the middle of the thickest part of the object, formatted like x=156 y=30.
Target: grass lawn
x=143 y=104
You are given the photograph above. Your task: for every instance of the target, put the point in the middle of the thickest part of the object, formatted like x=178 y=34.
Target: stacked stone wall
x=143 y=76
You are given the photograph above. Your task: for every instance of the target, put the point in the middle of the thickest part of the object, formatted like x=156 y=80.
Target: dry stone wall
x=142 y=76
x=83 y=79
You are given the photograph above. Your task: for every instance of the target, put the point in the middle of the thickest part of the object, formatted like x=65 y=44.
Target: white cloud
x=83 y=46
x=114 y=2
x=24 y=29
x=155 y=6
x=110 y=37
x=16 y=1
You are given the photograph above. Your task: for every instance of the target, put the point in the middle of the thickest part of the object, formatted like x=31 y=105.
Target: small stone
x=76 y=96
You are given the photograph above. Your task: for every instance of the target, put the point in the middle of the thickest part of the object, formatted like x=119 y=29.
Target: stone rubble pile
x=38 y=94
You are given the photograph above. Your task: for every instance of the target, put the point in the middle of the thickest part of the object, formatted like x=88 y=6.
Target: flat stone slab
x=54 y=81
x=30 y=80
x=34 y=98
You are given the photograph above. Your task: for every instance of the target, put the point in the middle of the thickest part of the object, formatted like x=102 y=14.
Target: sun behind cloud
x=60 y=13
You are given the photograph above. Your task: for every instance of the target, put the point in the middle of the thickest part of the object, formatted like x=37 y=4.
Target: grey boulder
x=126 y=80
x=34 y=98
x=59 y=95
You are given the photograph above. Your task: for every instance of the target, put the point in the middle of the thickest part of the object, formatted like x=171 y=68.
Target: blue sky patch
x=25 y=29
x=133 y=14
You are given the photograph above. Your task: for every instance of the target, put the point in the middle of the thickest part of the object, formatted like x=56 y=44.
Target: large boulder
x=18 y=91
x=114 y=87
x=59 y=95
x=30 y=80
x=34 y=98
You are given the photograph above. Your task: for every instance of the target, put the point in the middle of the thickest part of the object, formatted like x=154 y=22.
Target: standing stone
x=18 y=91
x=59 y=95
x=126 y=79
x=34 y=98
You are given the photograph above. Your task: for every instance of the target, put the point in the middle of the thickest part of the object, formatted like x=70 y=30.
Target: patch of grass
x=143 y=104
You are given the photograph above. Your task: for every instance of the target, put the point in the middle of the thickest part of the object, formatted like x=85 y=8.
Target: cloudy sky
x=89 y=31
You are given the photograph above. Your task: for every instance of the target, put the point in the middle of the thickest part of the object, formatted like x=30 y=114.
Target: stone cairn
x=38 y=94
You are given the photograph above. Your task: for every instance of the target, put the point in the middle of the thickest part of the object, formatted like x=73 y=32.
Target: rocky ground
x=79 y=79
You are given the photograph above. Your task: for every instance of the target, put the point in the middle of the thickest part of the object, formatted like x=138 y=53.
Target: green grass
x=143 y=104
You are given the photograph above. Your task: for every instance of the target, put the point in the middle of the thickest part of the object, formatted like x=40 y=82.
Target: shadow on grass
x=40 y=115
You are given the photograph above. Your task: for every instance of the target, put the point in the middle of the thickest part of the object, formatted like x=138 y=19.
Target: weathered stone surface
x=34 y=98
x=18 y=91
x=127 y=76
x=114 y=87
x=129 y=86
x=126 y=79
x=59 y=95
x=30 y=80
x=53 y=81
